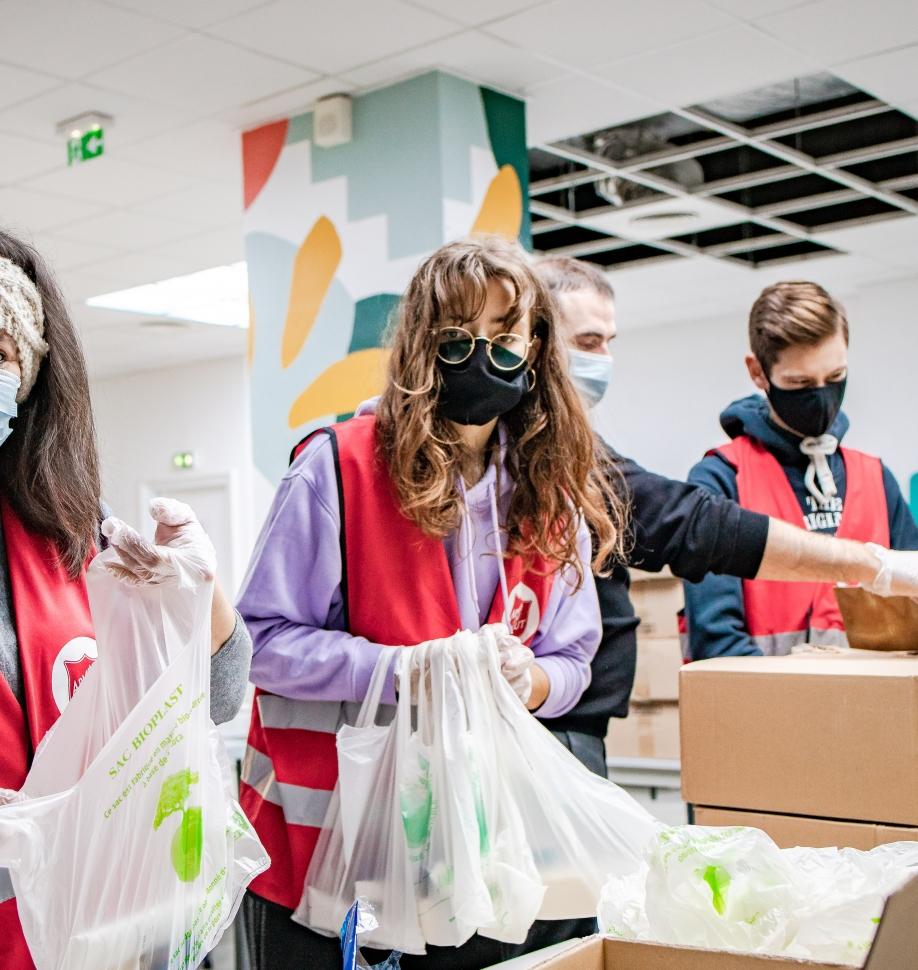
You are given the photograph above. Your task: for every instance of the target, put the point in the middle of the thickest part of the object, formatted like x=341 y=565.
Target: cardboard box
x=895 y=947
x=657 y=602
x=657 y=674
x=828 y=736
x=649 y=731
x=878 y=622
x=792 y=830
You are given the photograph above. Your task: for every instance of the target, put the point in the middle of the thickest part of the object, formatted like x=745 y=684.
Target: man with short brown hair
x=785 y=461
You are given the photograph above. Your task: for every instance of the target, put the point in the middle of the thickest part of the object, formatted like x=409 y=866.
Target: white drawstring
x=495 y=520
x=818 y=450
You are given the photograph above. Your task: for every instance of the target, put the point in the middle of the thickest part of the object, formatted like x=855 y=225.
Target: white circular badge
x=524 y=612
x=70 y=667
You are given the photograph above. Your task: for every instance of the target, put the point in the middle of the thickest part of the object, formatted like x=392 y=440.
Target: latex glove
x=516 y=661
x=898 y=572
x=181 y=550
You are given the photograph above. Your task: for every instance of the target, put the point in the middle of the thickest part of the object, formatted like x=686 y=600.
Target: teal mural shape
x=506 y=120
x=913 y=493
x=371 y=320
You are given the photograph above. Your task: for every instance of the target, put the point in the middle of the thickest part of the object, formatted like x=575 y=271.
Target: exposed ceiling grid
x=183 y=77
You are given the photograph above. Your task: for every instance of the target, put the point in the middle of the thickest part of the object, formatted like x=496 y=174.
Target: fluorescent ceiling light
x=218 y=296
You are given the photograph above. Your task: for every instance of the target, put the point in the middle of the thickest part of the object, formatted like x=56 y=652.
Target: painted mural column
x=333 y=235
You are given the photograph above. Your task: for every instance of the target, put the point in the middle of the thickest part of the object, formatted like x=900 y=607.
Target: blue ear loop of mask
x=9 y=388
x=591 y=374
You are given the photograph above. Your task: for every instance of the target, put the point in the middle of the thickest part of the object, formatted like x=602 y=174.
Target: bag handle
x=371 y=703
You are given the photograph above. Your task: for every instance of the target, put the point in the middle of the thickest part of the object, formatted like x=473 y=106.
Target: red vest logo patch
x=524 y=612
x=70 y=667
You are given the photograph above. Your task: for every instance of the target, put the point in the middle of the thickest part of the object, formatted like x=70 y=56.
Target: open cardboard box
x=878 y=622
x=895 y=947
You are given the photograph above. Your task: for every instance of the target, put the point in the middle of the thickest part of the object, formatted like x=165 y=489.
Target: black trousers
x=275 y=942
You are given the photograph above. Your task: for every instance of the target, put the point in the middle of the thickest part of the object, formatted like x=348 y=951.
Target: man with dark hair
x=684 y=526
x=785 y=460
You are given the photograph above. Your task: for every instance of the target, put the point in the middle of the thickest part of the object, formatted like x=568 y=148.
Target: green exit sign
x=84 y=146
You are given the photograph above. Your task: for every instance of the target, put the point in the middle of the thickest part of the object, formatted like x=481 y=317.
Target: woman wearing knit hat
x=50 y=527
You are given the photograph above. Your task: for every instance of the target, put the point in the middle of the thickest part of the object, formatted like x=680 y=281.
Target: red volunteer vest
x=56 y=648
x=782 y=615
x=397 y=589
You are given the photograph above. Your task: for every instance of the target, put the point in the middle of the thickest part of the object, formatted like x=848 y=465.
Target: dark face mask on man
x=810 y=411
x=476 y=392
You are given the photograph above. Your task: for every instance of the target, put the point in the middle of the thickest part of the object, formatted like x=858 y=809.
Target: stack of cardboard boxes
x=651 y=730
x=816 y=749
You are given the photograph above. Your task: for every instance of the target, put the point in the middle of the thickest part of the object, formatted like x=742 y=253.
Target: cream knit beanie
x=23 y=318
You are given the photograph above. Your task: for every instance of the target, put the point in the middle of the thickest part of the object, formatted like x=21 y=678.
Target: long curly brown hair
x=557 y=465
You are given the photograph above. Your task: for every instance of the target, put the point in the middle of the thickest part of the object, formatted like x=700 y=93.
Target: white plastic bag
x=480 y=822
x=378 y=869
x=125 y=845
x=733 y=888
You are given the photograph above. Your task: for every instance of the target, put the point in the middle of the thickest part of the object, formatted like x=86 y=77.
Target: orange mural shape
x=342 y=387
x=501 y=212
x=261 y=149
x=313 y=271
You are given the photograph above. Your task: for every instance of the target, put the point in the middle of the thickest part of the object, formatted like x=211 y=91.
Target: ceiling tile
x=63 y=254
x=72 y=39
x=286 y=104
x=753 y=9
x=840 y=30
x=732 y=60
x=134 y=118
x=473 y=12
x=23 y=157
x=581 y=33
x=210 y=74
x=17 y=84
x=892 y=77
x=485 y=59
x=110 y=181
x=127 y=230
x=205 y=149
x=210 y=205
x=577 y=104
x=33 y=211
x=199 y=13
x=332 y=36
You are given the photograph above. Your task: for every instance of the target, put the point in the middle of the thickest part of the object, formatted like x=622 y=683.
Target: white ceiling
x=182 y=78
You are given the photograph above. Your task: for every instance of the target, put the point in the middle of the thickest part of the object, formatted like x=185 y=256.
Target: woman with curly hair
x=465 y=495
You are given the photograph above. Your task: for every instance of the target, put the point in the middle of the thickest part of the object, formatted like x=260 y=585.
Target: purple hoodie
x=291 y=598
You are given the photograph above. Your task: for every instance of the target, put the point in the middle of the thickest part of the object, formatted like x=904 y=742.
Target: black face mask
x=810 y=411
x=476 y=392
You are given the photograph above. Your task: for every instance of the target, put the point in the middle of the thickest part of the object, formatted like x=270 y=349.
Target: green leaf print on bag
x=188 y=845
x=188 y=842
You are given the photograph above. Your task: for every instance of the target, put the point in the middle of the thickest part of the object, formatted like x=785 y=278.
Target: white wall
x=670 y=383
x=145 y=418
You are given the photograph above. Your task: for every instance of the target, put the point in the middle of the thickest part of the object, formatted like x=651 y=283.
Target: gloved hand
x=516 y=661
x=181 y=549
x=898 y=572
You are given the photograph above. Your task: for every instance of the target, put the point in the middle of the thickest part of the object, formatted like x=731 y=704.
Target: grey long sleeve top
x=229 y=667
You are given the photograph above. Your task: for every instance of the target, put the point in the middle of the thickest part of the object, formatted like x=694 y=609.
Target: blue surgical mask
x=9 y=388
x=591 y=374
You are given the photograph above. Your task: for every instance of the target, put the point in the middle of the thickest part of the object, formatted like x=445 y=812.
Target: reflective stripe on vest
x=782 y=644
x=6 y=886
x=780 y=615
x=291 y=764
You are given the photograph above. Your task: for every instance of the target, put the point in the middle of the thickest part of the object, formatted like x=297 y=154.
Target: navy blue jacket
x=714 y=607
